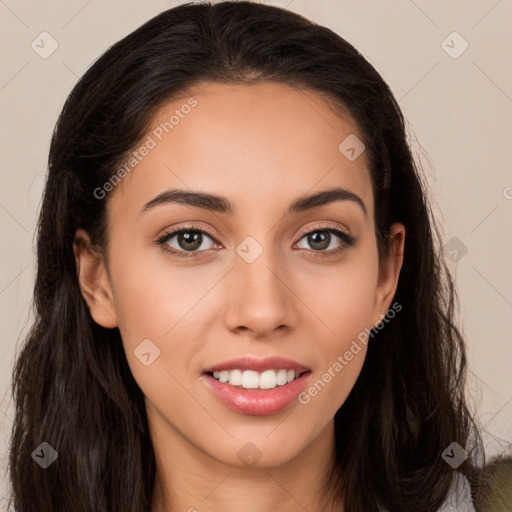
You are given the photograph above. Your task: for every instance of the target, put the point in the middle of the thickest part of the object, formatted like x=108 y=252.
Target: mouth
x=251 y=379
x=257 y=386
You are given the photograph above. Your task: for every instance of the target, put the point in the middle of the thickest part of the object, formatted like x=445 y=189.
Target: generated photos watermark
x=343 y=360
x=149 y=143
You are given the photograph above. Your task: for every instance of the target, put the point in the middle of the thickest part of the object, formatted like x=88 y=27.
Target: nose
x=261 y=299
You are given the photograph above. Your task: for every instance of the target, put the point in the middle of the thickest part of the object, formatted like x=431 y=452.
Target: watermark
x=249 y=454
x=454 y=45
x=149 y=143
x=146 y=352
x=352 y=147
x=249 y=249
x=343 y=360
x=454 y=455
x=45 y=455
x=44 y=45
x=455 y=249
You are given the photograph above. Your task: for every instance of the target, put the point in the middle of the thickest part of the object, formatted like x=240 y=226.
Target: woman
x=241 y=298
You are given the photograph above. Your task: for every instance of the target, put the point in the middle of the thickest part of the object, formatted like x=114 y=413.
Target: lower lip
x=257 y=402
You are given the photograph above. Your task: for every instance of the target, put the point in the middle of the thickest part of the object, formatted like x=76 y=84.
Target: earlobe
x=389 y=272
x=94 y=281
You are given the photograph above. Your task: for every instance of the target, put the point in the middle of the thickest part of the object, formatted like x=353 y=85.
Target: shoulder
x=459 y=496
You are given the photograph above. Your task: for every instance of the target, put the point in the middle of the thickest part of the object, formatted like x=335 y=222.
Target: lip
x=263 y=402
x=258 y=365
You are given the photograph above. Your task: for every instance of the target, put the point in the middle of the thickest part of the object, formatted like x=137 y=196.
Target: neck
x=192 y=481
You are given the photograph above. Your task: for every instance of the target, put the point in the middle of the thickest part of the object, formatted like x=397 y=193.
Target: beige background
x=459 y=108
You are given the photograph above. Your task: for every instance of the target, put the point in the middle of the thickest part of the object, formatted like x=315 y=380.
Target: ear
x=94 y=281
x=389 y=271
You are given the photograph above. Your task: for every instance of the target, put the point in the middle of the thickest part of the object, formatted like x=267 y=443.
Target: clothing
x=459 y=497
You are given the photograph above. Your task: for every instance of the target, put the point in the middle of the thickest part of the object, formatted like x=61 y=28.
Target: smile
x=257 y=386
x=250 y=379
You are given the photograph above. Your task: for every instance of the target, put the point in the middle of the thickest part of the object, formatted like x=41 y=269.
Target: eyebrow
x=219 y=204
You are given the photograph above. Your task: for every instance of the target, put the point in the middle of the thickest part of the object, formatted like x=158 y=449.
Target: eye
x=186 y=240
x=321 y=241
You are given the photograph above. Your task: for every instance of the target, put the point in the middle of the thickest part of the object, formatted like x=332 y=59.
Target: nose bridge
x=260 y=299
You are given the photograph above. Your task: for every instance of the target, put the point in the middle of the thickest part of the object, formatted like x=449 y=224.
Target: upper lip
x=258 y=365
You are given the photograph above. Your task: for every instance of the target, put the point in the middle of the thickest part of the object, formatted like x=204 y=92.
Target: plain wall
x=458 y=109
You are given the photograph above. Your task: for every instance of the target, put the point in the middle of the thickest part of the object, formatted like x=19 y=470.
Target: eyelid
x=346 y=241
x=324 y=226
x=186 y=227
x=201 y=229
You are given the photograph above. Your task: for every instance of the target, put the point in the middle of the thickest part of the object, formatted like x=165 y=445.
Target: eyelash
x=346 y=241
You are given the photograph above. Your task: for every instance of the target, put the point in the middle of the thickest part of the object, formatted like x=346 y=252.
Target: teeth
x=281 y=377
x=268 y=379
x=249 y=379
x=235 y=377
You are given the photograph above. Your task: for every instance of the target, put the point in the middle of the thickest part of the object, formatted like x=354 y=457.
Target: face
x=253 y=286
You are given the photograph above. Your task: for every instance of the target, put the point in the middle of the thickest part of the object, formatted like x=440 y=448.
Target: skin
x=261 y=146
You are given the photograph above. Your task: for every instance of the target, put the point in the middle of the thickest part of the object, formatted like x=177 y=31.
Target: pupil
x=192 y=238
x=319 y=237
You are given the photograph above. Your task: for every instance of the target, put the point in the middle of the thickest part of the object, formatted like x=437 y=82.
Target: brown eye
x=319 y=240
x=322 y=240
x=186 y=240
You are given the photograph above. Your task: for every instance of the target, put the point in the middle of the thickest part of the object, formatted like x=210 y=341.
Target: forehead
x=256 y=144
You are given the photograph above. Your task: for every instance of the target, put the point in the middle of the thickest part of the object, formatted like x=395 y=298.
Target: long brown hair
x=71 y=383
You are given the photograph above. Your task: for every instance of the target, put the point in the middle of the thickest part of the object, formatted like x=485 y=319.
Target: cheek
x=152 y=294
x=165 y=304
x=341 y=296
x=343 y=301
x=157 y=335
